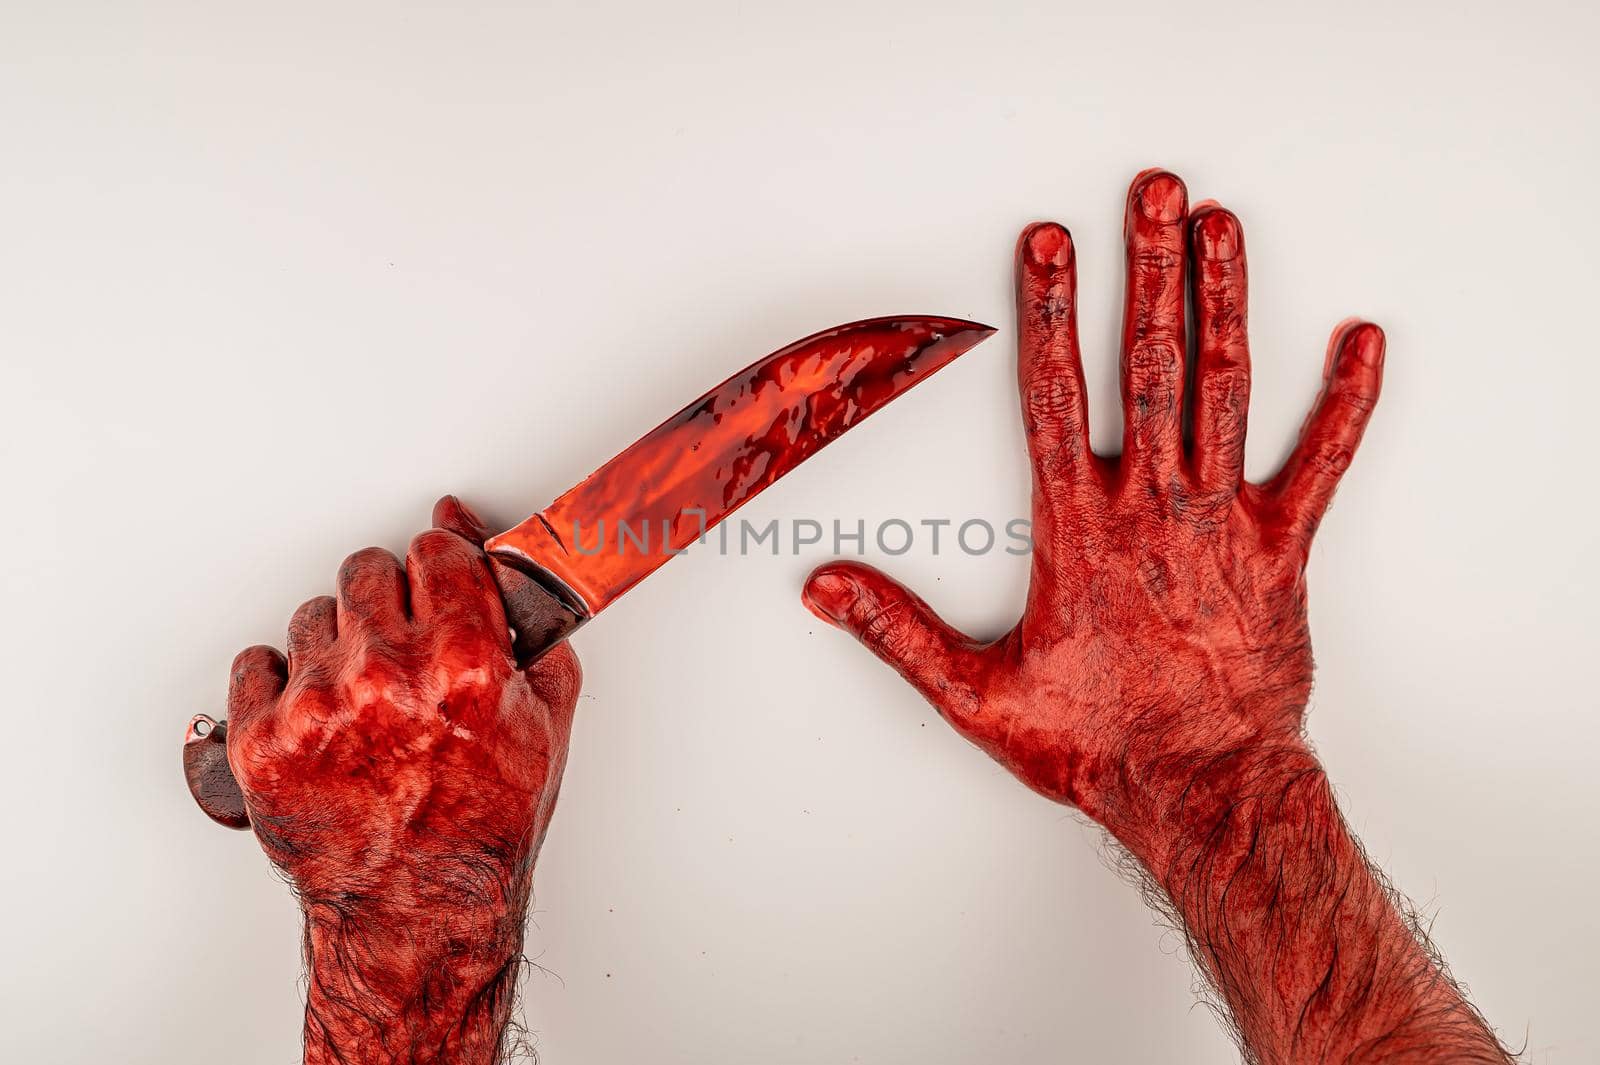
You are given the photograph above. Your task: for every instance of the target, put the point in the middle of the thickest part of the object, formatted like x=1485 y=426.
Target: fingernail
x=1048 y=244
x=1216 y=235
x=1365 y=344
x=1161 y=197
x=829 y=596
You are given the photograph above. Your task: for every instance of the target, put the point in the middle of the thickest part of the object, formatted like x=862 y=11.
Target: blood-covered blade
x=703 y=463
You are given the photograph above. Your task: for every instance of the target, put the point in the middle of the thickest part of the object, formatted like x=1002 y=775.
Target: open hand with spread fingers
x=1165 y=624
x=1159 y=675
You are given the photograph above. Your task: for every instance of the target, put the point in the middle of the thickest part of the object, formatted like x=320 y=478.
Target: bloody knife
x=564 y=565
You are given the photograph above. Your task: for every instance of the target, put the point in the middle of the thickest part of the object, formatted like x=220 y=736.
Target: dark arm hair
x=1313 y=954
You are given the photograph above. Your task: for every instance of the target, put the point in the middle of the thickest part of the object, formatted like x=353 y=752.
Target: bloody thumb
x=891 y=622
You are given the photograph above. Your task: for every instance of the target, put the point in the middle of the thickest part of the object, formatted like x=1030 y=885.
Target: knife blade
x=562 y=566
x=565 y=564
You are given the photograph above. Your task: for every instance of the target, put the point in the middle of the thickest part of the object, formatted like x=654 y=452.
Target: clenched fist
x=401 y=768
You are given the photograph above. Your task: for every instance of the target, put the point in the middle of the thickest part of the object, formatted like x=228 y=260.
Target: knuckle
x=886 y=629
x=313 y=610
x=1225 y=398
x=365 y=561
x=431 y=543
x=1154 y=260
x=1153 y=367
x=464 y=636
x=377 y=679
x=470 y=687
x=1051 y=398
x=252 y=662
x=1155 y=358
x=1331 y=457
x=1051 y=308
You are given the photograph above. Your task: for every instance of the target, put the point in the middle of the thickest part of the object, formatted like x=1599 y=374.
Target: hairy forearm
x=409 y=989
x=1304 y=942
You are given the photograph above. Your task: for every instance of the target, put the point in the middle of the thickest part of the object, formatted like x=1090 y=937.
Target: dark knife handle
x=541 y=614
x=205 y=767
x=539 y=609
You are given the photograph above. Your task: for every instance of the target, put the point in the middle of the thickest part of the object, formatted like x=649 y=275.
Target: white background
x=273 y=277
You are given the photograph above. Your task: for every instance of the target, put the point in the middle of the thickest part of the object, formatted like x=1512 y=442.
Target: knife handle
x=539 y=609
x=205 y=767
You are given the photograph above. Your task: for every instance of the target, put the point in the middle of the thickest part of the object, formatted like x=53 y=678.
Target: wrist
x=1289 y=922
x=393 y=985
x=1176 y=803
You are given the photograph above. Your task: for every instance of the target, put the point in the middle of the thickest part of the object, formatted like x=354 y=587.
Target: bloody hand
x=401 y=770
x=1165 y=625
x=1158 y=678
